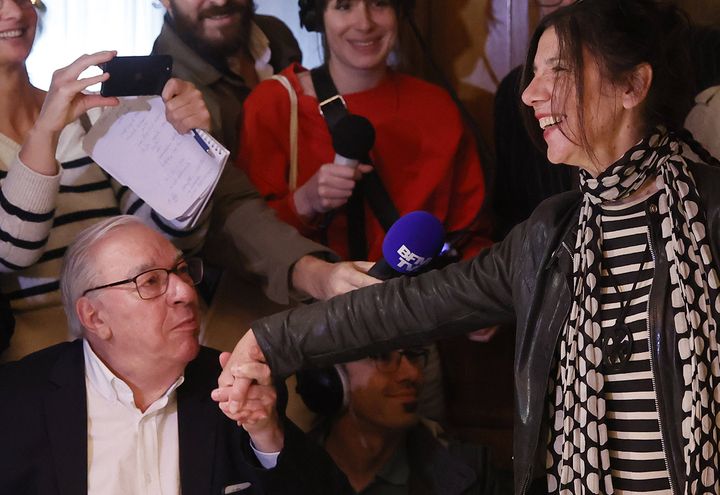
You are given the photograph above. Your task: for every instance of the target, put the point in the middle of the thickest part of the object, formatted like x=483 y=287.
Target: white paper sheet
x=171 y=172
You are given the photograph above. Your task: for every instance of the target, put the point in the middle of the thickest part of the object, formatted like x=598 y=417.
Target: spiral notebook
x=171 y=172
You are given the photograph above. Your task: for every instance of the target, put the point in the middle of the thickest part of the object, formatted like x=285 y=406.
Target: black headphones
x=325 y=391
x=311 y=18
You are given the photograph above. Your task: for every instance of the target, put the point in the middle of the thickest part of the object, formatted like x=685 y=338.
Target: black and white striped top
x=637 y=457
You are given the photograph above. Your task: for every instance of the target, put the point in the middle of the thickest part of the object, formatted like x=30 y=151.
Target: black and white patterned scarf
x=578 y=454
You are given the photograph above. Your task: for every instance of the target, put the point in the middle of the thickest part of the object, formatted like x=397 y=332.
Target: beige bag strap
x=292 y=175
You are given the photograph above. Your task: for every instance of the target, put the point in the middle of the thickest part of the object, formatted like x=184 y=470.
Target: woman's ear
x=638 y=85
x=91 y=319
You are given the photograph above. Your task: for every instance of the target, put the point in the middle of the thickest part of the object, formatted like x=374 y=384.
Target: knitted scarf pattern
x=578 y=460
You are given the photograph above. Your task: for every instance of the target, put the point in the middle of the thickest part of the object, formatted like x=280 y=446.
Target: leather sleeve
x=402 y=312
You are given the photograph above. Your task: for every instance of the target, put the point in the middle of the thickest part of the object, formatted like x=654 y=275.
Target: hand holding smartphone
x=136 y=76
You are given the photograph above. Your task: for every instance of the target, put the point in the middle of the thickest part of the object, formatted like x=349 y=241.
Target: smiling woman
x=423 y=163
x=617 y=118
x=614 y=289
x=423 y=155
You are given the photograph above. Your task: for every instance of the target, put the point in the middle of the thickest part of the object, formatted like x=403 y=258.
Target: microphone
x=353 y=137
x=411 y=243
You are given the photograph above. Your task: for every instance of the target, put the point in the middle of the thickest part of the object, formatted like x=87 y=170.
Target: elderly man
x=126 y=407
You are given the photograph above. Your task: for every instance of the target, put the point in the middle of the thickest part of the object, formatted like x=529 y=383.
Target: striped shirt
x=637 y=457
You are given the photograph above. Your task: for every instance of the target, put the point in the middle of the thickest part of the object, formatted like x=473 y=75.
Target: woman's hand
x=329 y=188
x=64 y=103
x=185 y=107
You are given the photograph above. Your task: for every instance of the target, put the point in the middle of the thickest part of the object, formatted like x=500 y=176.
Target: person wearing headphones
x=371 y=428
x=423 y=162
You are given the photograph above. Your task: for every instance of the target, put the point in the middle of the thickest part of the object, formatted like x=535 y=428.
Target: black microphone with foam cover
x=353 y=137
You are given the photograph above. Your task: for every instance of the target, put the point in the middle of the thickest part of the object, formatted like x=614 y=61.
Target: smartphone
x=136 y=76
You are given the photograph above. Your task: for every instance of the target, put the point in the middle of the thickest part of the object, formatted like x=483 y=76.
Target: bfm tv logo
x=409 y=261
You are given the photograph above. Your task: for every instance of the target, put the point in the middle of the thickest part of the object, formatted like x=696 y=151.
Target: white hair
x=78 y=271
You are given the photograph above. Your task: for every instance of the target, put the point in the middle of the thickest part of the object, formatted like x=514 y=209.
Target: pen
x=201 y=142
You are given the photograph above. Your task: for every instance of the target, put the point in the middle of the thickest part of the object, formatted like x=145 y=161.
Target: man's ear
x=638 y=85
x=91 y=318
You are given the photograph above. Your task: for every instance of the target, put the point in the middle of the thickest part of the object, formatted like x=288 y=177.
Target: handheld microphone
x=353 y=137
x=411 y=243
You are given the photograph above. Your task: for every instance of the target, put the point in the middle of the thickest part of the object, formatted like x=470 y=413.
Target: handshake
x=246 y=394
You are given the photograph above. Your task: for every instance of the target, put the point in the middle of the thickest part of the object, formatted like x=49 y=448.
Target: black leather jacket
x=526 y=278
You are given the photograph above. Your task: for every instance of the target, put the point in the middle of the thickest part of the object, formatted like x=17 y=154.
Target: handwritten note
x=136 y=144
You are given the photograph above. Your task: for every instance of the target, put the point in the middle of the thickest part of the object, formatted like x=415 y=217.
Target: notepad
x=139 y=148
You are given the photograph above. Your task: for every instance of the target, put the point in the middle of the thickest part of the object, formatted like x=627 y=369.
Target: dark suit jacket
x=43 y=434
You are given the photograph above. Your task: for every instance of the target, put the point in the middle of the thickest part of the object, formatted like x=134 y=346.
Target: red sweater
x=423 y=154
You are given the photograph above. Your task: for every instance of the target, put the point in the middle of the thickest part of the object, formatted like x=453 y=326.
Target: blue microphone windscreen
x=413 y=241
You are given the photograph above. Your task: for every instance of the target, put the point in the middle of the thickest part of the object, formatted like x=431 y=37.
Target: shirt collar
x=112 y=388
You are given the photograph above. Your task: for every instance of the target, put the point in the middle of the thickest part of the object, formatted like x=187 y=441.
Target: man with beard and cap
x=225 y=49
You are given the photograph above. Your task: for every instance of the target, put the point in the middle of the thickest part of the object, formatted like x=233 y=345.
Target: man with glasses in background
x=126 y=407
x=371 y=429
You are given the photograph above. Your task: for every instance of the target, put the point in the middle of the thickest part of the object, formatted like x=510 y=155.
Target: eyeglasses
x=154 y=283
x=389 y=362
x=23 y=4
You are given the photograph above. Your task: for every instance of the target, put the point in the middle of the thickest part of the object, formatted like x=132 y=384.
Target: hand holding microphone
x=409 y=245
x=332 y=185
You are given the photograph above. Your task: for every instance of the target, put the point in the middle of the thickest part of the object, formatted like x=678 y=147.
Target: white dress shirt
x=129 y=452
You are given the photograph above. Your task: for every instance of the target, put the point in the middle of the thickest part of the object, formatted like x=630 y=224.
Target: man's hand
x=259 y=417
x=323 y=280
x=185 y=107
x=245 y=367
